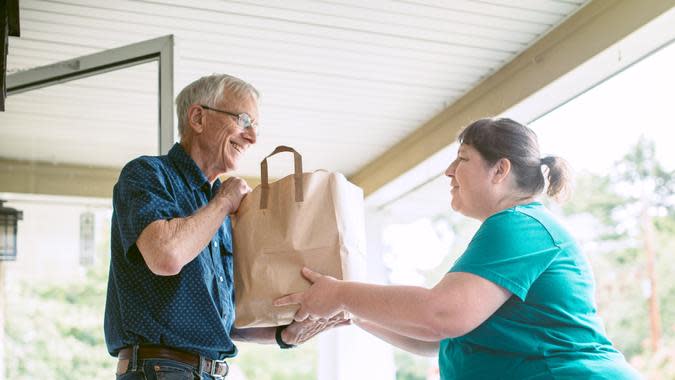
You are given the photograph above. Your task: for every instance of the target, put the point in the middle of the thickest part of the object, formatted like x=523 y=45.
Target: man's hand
x=299 y=332
x=231 y=192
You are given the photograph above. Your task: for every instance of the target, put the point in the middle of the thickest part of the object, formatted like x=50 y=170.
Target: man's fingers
x=246 y=187
x=291 y=299
x=346 y=322
x=311 y=275
x=301 y=315
x=340 y=316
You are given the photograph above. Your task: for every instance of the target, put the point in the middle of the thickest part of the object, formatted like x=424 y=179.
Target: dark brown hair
x=501 y=138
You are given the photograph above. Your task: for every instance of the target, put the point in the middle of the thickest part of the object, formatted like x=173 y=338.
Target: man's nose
x=251 y=135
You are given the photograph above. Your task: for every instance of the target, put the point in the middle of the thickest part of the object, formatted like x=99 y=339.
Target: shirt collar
x=187 y=167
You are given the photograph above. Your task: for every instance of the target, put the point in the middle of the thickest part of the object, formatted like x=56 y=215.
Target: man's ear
x=196 y=118
x=501 y=170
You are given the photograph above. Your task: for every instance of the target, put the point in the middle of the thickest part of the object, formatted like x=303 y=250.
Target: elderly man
x=170 y=302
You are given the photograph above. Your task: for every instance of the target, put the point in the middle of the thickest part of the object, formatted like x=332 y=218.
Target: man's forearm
x=167 y=245
x=263 y=335
x=294 y=334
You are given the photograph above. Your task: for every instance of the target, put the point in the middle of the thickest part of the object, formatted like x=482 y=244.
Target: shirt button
x=215 y=244
x=221 y=278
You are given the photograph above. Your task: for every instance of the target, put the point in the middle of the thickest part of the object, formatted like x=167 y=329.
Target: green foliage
x=640 y=168
x=639 y=188
x=268 y=362
x=54 y=329
x=665 y=225
x=410 y=367
x=593 y=194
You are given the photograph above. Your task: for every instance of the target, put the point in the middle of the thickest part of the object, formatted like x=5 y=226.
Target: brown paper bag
x=305 y=219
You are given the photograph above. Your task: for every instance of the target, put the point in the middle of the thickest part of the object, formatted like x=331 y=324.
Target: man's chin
x=230 y=168
x=230 y=161
x=231 y=165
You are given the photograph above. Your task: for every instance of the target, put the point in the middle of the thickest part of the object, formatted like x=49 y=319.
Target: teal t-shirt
x=549 y=328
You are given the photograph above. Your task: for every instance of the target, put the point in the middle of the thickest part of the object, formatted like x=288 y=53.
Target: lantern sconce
x=8 y=228
x=87 y=238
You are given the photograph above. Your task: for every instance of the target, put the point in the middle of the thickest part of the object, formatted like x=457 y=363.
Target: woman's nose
x=450 y=171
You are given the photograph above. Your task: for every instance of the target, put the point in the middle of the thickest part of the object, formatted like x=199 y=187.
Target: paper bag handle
x=297 y=176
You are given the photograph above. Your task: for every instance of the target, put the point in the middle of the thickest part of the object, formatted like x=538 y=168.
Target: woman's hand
x=320 y=302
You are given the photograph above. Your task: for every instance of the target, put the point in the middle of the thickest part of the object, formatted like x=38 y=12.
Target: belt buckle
x=214 y=368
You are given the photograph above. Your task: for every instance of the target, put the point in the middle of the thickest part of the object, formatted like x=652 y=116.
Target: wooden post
x=654 y=312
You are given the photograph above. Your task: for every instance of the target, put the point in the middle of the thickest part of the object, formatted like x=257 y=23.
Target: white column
x=3 y=297
x=349 y=353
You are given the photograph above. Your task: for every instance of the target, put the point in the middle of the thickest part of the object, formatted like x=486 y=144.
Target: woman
x=519 y=303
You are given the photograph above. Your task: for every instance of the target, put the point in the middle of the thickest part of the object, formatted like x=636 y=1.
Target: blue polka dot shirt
x=193 y=310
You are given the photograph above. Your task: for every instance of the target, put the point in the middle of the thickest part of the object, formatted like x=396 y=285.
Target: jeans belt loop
x=134 y=358
x=200 y=370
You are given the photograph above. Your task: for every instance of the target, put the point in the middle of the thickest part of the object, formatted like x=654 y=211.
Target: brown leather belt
x=215 y=368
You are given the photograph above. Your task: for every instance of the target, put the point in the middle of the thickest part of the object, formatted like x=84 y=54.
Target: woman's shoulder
x=515 y=217
x=531 y=219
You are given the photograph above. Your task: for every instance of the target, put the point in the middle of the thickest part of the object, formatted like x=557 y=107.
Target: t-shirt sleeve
x=142 y=195
x=510 y=249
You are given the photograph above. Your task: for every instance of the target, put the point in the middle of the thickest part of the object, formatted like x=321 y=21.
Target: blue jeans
x=162 y=369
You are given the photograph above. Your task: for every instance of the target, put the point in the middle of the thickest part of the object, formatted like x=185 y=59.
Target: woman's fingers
x=291 y=299
x=311 y=275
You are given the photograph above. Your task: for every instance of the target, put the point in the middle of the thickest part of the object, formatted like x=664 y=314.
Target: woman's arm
x=459 y=303
x=414 y=346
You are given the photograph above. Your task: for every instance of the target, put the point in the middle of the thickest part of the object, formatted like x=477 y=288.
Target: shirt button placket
x=215 y=245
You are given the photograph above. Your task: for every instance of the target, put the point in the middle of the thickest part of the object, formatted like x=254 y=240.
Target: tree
x=650 y=191
x=631 y=202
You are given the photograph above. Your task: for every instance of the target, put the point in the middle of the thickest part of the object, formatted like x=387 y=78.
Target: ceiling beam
x=594 y=28
x=62 y=179
x=56 y=179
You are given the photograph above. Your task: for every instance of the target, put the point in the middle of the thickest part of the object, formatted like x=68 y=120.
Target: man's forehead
x=235 y=98
x=240 y=101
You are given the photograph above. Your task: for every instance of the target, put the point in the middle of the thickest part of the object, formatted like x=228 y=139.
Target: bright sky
x=598 y=127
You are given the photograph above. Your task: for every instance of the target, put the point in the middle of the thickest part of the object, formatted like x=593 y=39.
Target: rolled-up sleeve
x=141 y=196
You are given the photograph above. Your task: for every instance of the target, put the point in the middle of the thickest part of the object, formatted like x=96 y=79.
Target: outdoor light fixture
x=87 y=238
x=8 y=221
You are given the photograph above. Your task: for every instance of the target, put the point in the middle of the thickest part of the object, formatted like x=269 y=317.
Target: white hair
x=209 y=90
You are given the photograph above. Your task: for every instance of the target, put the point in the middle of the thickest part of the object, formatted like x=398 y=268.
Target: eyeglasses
x=243 y=119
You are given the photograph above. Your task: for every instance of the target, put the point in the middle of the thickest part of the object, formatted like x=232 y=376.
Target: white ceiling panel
x=342 y=81
x=104 y=120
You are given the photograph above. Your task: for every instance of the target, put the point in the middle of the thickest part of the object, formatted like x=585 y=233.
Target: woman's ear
x=196 y=118
x=501 y=170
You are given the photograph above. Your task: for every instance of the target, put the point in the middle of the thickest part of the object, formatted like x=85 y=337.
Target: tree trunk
x=654 y=312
